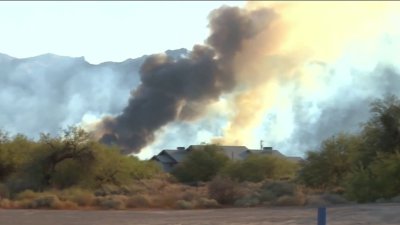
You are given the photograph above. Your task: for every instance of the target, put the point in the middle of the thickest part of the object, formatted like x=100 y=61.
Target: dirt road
x=382 y=214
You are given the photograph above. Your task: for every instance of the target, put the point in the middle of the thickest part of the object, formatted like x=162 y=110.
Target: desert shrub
x=183 y=204
x=138 y=201
x=272 y=190
x=111 y=202
x=4 y=191
x=281 y=193
x=256 y=168
x=224 y=190
x=335 y=198
x=191 y=194
x=68 y=205
x=166 y=199
x=45 y=201
x=77 y=195
x=247 y=201
x=108 y=189
x=27 y=194
x=207 y=203
x=6 y=204
x=295 y=200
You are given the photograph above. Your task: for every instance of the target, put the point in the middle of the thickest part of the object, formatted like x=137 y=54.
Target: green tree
x=381 y=134
x=201 y=164
x=112 y=167
x=328 y=167
x=381 y=179
x=14 y=153
x=53 y=157
x=256 y=168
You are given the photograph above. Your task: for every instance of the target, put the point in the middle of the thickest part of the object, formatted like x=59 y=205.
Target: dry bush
x=298 y=199
x=138 y=201
x=247 y=201
x=27 y=194
x=4 y=192
x=165 y=200
x=281 y=193
x=280 y=188
x=68 y=205
x=182 y=204
x=272 y=190
x=224 y=190
x=154 y=185
x=207 y=203
x=108 y=189
x=170 y=194
x=111 y=202
x=44 y=201
x=76 y=195
x=6 y=204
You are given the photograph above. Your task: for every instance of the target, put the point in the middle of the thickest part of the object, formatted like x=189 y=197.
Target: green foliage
x=381 y=179
x=367 y=165
x=381 y=134
x=14 y=153
x=201 y=164
x=72 y=159
x=256 y=168
x=112 y=167
x=328 y=167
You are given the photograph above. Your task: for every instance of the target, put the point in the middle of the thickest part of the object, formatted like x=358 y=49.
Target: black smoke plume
x=180 y=89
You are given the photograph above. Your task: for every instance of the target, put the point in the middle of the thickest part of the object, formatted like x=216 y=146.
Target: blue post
x=321 y=216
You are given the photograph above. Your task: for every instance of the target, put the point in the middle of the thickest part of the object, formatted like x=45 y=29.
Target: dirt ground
x=374 y=214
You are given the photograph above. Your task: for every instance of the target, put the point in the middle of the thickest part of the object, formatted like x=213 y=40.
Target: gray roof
x=177 y=155
x=266 y=152
x=171 y=157
x=233 y=152
x=164 y=158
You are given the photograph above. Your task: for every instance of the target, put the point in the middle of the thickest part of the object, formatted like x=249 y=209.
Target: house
x=168 y=159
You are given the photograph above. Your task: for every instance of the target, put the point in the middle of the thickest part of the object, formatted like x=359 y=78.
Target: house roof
x=266 y=152
x=165 y=158
x=176 y=155
x=233 y=152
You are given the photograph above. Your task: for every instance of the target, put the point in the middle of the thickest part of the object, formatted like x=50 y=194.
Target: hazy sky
x=102 y=31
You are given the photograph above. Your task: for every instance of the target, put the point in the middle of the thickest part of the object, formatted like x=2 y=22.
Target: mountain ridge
x=47 y=92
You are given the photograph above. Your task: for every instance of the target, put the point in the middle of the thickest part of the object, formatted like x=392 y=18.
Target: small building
x=169 y=158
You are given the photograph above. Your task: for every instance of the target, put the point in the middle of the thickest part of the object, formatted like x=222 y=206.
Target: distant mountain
x=47 y=92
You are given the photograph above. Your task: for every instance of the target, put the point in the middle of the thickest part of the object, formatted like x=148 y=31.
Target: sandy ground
x=377 y=214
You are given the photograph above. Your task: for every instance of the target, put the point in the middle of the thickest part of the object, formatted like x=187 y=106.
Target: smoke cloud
x=304 y=77
x=181 y=89
x=289 y=73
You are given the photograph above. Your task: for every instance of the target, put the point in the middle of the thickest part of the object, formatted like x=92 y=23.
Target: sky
x=309 y=73
x=102 y=30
